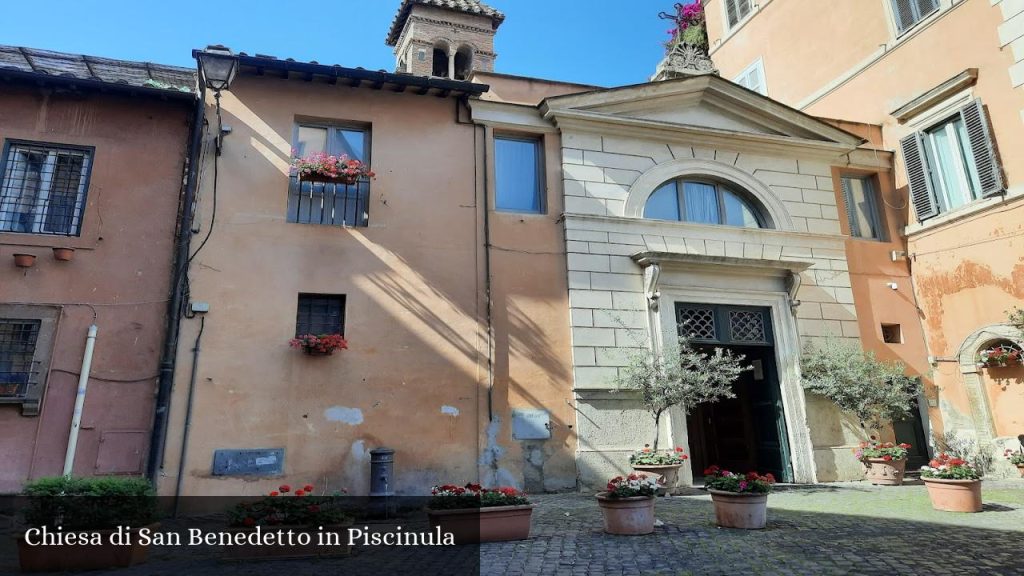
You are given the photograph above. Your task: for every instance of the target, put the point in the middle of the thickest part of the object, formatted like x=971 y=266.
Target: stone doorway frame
x=981 y=411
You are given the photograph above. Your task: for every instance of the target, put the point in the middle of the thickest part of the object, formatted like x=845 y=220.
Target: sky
x=599 y=42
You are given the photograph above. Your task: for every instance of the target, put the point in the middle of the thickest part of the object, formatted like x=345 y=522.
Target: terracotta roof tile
x=92 y=68
x=466 y=6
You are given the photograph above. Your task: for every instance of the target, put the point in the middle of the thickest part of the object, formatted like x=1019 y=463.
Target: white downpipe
x=83 y=383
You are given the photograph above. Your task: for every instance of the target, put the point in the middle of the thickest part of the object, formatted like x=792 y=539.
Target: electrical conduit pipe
x=83 y=383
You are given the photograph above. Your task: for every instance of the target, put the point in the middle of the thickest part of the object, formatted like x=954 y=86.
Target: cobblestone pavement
x=850 y=528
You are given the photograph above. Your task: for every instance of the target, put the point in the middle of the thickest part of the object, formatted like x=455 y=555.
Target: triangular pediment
x=703 y=102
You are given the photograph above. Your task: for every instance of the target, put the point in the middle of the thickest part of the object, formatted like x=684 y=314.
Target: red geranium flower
x=308 y=487
x=249 y=521
x=275 y=493
x=284 y=488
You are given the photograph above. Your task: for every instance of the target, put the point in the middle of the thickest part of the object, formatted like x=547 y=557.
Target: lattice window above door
x=697 y=323
x=747 y=326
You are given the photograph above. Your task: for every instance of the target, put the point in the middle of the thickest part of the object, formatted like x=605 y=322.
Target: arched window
x=439 y=66
x=463 y=62
x=703 y=202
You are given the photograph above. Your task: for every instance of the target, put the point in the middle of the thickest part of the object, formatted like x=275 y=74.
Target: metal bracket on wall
x=651 y=275
x=793 y=286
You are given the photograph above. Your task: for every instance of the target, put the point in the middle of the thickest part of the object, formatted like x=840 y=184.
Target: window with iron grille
x=330 y=203
x=17 y=350
x=43 y=188
x=909 y=12
x=320 y=314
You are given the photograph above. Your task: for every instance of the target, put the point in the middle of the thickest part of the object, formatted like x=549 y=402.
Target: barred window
x=43 y=188
x=330 y=203
x=17 y=349
x=320 y=314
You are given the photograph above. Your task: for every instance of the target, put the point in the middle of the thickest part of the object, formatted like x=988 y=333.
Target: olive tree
x=876 y=392
x=683 y=376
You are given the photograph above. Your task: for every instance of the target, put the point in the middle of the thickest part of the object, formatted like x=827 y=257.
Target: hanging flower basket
x=322 y=167
x=322 y=345
x=1001 y=356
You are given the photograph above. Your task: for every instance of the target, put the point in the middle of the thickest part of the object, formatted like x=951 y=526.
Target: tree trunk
x=657 y=430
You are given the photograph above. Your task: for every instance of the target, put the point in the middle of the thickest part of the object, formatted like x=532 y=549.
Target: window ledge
x=30 y=240
x=967 y=211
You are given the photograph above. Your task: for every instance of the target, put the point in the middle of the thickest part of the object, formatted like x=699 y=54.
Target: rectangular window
x=17 y=349
x=320 y=314
x=752 y=78
x=330 y=203
x=518 y=175
x=892 y=334
x=43 y=188
x=863 y=210
x=909 y=12
x=952 y=163
x=737 y=10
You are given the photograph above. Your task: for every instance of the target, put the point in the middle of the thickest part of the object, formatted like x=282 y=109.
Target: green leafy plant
x=874 y=391
x=948 y=467
x=650 y=457
x=750 y=483
x=964 y=448
x=95 y=503
x=452 y=497
x=1016 y=318
x=286 y=508
x=684 y=377
x=1016 y=457
x=689 y=27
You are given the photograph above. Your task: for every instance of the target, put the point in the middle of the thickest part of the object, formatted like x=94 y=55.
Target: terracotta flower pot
x=627 y=516
x=491 y=524
x=75 y=558
x=885 y=473
x=63 y=254
x=669 y=475
x=1020 y=468
x=954 y=495
x=311 y=550
x=740 y=510
x=24 y=260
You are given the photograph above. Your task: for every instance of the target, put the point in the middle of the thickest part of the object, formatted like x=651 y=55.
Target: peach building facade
x=950 y=113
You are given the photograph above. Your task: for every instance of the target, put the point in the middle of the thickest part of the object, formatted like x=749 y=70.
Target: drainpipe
x=158 y=438
x=188 y=415
x=76 y=417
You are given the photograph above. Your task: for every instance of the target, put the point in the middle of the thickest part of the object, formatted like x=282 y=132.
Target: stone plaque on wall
x=531 y=424
x=251 y=462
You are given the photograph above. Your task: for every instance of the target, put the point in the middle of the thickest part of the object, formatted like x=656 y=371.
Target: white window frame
x=942 y=191
x=758 y=66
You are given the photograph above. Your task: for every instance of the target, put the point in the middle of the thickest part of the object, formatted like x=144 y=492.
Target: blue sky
x=602 y=42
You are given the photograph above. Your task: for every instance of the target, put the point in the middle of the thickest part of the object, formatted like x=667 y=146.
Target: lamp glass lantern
x=219 y=66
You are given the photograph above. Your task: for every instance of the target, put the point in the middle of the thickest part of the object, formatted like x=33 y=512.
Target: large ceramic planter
x=627 y=516
x=669 y=475
x=311 y=550
x=735 y=510
x=1021 y=470
x=493 y=524
x=885 y=473
x=954 y=495
x=74 y=558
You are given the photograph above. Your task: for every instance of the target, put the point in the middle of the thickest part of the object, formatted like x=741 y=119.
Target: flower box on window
x=323 y=167
x=1001 y=356
x=322 y=345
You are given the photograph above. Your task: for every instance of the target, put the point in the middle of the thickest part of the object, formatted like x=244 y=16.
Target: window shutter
x=926 y=7
x=918 y=178
x=731 y=12
x=982 y=148
x=848 y=202
x=903 y=10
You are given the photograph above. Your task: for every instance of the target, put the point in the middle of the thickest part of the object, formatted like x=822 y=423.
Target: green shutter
x=848 y=202
x=982 y=148
x=919 y=179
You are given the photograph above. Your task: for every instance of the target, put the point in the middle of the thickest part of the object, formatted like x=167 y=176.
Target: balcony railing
x=328 y=203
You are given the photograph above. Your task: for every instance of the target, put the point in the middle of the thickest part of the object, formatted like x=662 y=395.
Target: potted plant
x=24 y=260
x=885 y=461
x=683 y=376
x=472 y=513
x=740 y=500
x=954 y=485
x=63 y=254
x=1000 y=356
x=664 y=464
x=1016 y=457
x=322 y=345
x=690 y=26
x=876 y=392
x=323 y=167
x=95 y=506
x=627 y=506
x=319 y=516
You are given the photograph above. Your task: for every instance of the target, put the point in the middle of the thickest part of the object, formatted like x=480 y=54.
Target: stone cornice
x=424 y=20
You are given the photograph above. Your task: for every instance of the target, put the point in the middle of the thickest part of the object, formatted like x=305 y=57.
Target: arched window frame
x=721 y=189
x=772 y=208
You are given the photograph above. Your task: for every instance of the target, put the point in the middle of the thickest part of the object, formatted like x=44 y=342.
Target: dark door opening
x=911 y=431
x=747 y=432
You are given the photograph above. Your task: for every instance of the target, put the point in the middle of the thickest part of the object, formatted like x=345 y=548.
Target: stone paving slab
x=829 y=529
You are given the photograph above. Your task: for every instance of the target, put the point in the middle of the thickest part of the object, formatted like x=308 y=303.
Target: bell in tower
x=444 y=38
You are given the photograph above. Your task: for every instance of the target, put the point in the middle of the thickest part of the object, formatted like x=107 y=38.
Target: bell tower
x=444 y=38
